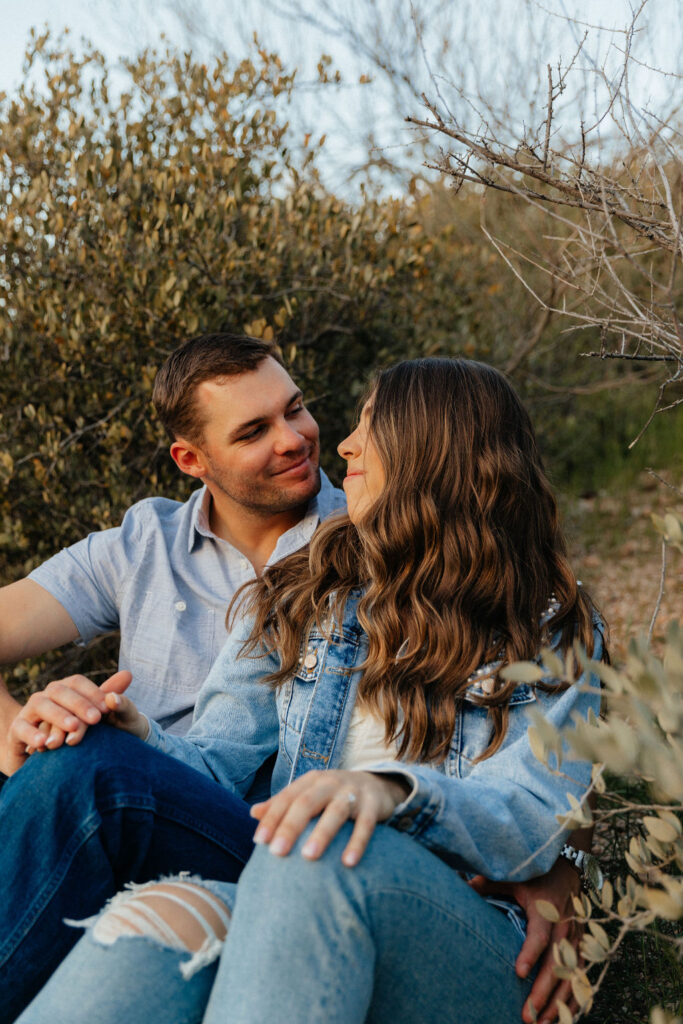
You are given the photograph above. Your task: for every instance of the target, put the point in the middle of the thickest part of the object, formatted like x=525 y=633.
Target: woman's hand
x=336 y=796
x=62 y=712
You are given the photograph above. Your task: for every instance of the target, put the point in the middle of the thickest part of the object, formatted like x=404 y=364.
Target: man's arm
x=32 y=622
x=558 y=887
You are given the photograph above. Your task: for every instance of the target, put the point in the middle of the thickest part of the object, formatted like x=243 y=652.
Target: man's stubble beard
x=262 y=499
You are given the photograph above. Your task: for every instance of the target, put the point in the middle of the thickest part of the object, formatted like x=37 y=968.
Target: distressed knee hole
x=178 y=915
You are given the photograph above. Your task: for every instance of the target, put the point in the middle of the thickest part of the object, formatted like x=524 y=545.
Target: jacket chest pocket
x=474 y=728
x=297 y=694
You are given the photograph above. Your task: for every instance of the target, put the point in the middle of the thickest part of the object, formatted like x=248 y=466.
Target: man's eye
x=295 y=409
x=252 y=434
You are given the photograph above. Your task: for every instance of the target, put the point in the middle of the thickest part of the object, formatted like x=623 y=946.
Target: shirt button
x=244 y=563
x=180 y=606
x=311 y=660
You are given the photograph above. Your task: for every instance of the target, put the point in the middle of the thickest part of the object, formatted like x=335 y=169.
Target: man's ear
x=188 y=458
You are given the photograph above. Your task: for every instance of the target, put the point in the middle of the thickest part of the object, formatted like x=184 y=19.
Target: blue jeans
x=78 y=823
x=399 y=939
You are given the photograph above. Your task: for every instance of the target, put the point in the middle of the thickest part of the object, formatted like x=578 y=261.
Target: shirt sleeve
x=235 y=728
x=87 y=578
x=501 y=819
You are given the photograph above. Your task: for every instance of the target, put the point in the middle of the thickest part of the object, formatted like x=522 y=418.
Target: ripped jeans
x=78 y=823
x=399 y=939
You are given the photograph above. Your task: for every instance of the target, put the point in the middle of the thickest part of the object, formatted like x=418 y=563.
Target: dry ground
x=617 y=553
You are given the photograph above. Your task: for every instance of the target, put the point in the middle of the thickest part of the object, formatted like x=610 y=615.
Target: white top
x=365 y=742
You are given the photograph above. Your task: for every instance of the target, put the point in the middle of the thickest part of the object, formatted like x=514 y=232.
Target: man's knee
x=178 y=914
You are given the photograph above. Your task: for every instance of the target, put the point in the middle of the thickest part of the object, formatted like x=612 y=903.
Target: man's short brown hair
x=206 y=357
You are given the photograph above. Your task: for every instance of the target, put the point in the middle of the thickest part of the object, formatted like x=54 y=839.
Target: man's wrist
x=9 y=708
x=587 y=867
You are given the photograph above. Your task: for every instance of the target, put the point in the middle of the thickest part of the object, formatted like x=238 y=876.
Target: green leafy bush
x=137 y=215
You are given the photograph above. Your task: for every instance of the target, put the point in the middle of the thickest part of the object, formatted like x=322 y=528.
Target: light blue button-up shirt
x=165 y=581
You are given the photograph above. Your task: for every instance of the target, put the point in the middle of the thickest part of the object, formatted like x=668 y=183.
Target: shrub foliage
x=141 y=207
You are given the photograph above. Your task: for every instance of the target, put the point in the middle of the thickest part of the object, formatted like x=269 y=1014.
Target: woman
x=371 y=668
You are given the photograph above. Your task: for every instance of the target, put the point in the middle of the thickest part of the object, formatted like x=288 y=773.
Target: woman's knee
x=291 y=883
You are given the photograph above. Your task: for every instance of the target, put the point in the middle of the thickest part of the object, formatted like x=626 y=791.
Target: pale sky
x=491 y=37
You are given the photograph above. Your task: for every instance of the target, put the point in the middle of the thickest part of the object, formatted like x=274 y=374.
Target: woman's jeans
x=78 y=823
x=399 y=939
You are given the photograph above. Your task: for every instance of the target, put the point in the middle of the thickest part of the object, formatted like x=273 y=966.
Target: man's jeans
x=78 y=823
x=399 y=939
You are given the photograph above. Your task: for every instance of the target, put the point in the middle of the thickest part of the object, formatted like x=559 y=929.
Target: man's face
x=260 y=445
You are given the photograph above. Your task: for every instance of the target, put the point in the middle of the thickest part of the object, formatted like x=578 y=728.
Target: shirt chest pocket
x=174 y=643
x=474 y=728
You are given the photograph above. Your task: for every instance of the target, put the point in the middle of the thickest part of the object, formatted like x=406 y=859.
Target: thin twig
x=625 y=355
x=660 y=595
x=666 y=483
x=549 y=121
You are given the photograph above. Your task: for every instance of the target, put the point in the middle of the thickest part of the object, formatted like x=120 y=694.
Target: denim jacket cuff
x=155 y=737
x=414 y=814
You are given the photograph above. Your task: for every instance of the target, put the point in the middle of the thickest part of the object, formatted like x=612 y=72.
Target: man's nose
x=288 y=439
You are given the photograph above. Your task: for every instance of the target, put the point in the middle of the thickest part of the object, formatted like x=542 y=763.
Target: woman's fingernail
x=70 y=723
x=523 y=970
x=310 y=849
x=278 y=846
x=261 y=835
x=92 y=714
x=71 y=738
x=350 y=858
x=115 y=700
x=50 y=741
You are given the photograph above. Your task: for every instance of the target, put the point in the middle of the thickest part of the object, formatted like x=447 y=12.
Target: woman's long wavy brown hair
x=457 y=558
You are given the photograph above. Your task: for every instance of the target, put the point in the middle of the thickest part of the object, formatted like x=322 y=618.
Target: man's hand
x=62 y=712
x=558 y=887
x=336 y=796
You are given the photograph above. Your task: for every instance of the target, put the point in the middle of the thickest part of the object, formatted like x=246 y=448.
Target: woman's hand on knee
x=336 y=797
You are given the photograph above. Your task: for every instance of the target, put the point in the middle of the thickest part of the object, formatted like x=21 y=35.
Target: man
x=165 y=577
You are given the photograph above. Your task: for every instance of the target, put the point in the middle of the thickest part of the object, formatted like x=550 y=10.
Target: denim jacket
x=490 y=817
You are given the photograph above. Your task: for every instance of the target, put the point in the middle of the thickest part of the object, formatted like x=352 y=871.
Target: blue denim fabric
x=491 y=817
x=487 y=817
x=399 y=939
x=80 y=822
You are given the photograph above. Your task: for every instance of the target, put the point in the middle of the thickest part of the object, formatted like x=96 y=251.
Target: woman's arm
x=235 y=727
x=501 y=819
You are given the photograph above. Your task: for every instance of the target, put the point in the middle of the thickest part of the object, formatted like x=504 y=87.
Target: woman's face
x=365 y=477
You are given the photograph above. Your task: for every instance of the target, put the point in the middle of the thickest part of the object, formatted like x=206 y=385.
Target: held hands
x=337 y=796
x=62 y=712
x=557 y=887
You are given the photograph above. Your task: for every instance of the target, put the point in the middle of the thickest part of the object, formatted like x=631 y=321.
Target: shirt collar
x=328 y=500
x=199 y=521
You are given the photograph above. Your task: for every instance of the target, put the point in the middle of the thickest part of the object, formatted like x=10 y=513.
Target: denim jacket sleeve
x=235 y=727
x=503 y=813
